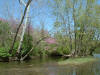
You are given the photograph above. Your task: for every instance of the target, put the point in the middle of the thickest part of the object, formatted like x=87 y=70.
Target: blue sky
x=98 y=1
x=38 y=13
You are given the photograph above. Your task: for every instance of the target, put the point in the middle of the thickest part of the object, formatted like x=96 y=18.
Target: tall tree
x=25 y=11
x=24 y=26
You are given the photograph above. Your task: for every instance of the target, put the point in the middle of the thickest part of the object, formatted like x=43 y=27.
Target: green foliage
x=36 y=51
x=4 y=34
x=63 y=50
x=86 y=26
x=40 y=50
x=43 y=53
x=77 y=26
x=27 y=44
x=57 y=24
x=77 y=61
x=15 y=49
x=5 y=39
x=4 y=52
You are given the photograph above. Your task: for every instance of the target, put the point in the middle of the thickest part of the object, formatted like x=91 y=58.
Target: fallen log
x=23 y=58
x=67 y=56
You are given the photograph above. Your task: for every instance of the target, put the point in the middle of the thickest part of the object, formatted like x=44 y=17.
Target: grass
x=77 y=61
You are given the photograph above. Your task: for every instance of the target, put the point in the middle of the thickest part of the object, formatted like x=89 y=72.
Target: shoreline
x=77 y=61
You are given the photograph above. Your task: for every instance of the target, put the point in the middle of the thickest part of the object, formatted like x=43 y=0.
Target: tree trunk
x=11 y=49
x=70 y=39
x=74 y=26
x=24 y=29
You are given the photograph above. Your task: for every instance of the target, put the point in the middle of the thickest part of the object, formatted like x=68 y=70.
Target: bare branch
x=21 y=1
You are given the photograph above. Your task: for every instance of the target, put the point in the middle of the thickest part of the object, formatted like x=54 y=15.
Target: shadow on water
x=49 y=67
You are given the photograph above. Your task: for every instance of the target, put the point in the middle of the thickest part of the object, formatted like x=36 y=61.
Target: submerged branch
x=23 y=58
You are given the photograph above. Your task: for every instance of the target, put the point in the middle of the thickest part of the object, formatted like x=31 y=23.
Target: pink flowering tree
x=50 y=41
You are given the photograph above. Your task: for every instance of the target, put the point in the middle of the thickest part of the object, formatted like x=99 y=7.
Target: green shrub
x=63 y=50
x=27 y=44
x=15 y=49
x=4 y=52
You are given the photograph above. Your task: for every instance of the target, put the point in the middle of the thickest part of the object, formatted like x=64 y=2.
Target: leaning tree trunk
x=11 y=49
x=24 y=29
x=36 y=44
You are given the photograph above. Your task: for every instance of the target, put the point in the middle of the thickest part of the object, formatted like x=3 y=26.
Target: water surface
x=49 y=67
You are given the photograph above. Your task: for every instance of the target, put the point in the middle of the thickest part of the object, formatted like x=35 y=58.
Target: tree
x=29 y=1
x=24 y=26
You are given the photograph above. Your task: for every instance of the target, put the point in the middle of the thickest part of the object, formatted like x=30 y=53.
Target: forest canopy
x=66 y=28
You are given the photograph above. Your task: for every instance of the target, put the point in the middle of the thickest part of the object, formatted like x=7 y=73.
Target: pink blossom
x=1 y=19
x=50 y=41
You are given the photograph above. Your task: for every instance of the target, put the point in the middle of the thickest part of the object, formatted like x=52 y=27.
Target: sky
x=39 y=11
x=42 y=13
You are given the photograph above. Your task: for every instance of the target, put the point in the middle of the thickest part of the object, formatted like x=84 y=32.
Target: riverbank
x=77 y=61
